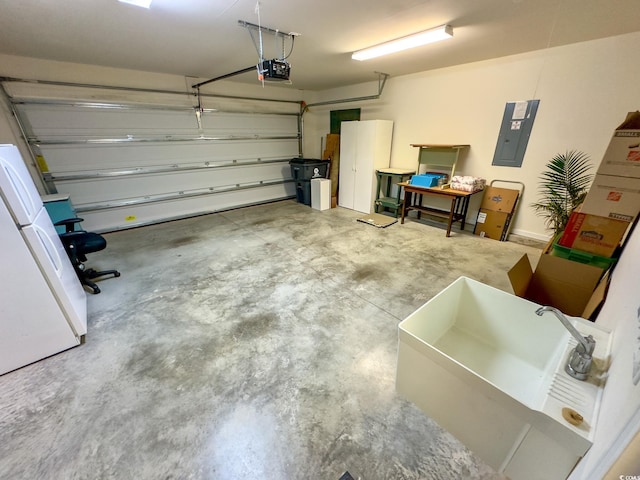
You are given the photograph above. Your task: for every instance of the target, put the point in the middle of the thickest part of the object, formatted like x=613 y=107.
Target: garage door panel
x=233 y=124
x=57 y=122
x=163 y=160
x=143 y=214
x=66 y=159
x=89 y=191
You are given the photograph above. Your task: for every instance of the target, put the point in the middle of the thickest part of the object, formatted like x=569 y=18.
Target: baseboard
x=531 y=235
x=470 y=227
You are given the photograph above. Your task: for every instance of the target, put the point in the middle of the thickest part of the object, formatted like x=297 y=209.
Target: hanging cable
x=255 y=44
x=551 y=34
x=260 y=53
x=293 y=39
x=275 y=39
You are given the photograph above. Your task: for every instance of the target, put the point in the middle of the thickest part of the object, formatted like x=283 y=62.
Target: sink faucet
x=580 y=358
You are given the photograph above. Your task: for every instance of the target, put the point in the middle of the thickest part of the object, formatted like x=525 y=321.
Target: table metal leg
x=407 y=201
x=452 y=213
x=465 y=208
x=378 y=185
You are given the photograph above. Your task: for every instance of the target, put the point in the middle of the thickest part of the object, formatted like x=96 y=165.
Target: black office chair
x=78 y=243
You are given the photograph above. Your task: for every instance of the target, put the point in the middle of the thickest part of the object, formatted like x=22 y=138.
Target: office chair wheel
x=89 y=286
x=117 y=274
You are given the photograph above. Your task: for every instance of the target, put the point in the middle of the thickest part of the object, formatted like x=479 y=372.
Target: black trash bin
x=303 y=170
x=303 y=192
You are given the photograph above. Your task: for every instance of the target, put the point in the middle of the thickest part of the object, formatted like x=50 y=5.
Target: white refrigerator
x=43 y=307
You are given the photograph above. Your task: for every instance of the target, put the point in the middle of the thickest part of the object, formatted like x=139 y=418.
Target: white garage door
x=147 y=157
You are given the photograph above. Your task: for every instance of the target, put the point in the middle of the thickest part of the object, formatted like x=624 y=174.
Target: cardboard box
x=613 y=197
x=622 y=157
x=499 y=199
x=491 y=224
x=566 y=285
x=593 y=234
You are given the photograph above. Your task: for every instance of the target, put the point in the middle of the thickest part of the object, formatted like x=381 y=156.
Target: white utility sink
x=482 y=364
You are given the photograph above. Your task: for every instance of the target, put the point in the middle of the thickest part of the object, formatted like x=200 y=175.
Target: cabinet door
x=348 y=153
x=49 y=253
x=365 y=173
x=32 y=324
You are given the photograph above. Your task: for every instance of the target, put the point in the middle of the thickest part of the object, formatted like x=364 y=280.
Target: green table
x=387 y=177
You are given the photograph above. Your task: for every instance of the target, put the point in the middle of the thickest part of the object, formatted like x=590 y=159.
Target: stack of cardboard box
x=613 y=201
x=615 y=192
x=496 y=211
x=573 y=277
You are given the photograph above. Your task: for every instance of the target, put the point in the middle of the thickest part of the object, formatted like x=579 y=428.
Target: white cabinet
x=365 y=146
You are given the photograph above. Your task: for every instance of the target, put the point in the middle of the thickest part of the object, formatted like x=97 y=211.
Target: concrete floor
x=258 y=343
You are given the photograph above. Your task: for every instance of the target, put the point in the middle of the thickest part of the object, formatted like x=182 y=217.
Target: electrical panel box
x=515 y=130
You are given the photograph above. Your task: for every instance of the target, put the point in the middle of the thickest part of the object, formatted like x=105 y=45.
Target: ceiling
x=202 y=38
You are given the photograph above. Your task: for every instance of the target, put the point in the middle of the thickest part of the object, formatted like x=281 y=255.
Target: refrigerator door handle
x=49 y=248
x=20 y=188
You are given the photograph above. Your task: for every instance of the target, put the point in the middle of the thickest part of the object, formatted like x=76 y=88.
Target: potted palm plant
x=563 y=186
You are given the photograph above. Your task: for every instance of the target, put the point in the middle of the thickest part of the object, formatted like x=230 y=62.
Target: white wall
x=585 y=91
x=619 y=419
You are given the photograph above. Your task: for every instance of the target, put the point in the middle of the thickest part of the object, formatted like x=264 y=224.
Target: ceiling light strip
x=138 y=3
x=411 y=41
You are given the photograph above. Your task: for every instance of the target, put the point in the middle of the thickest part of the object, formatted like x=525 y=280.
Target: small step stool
x=387 y=177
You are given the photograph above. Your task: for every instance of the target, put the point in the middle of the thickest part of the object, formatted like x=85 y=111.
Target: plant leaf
x=562 y=187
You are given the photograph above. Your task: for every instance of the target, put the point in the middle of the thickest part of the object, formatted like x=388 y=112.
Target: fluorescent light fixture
x=405 y=43
x=138 y=3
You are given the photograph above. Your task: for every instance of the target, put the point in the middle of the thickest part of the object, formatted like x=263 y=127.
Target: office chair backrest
x=78 y=243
